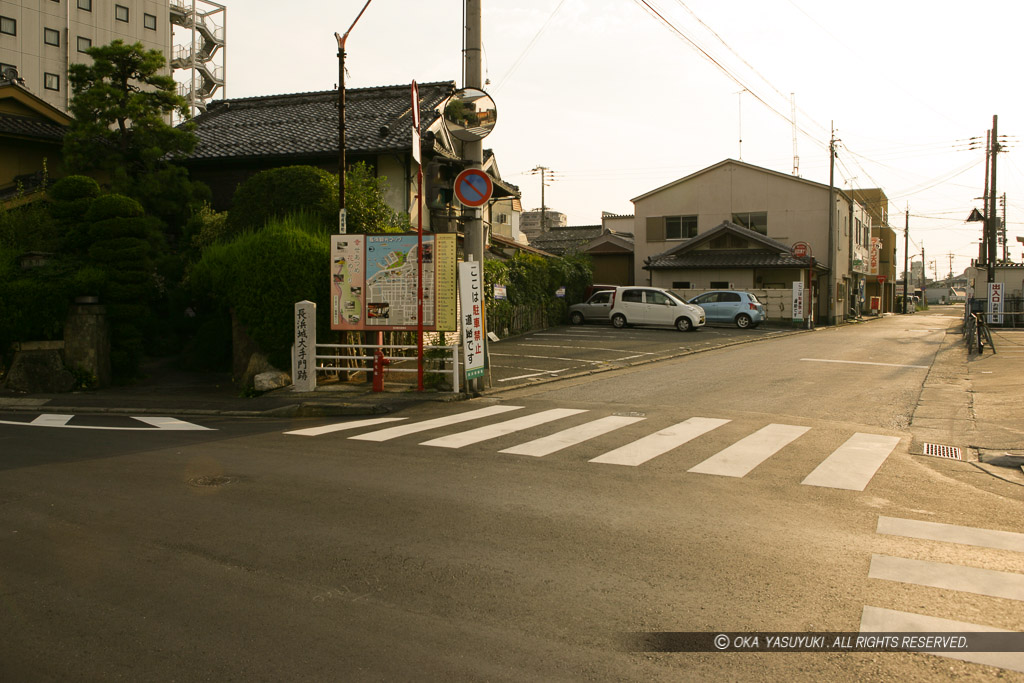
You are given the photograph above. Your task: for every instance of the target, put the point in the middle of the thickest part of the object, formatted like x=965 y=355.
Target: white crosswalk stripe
x=501 y=429
x=746 y=454
x=416 y=427
x=881 y=620
x=572 y=436
x=652 y=446
x=989 y=582
x=852 y=465
x=975 y=580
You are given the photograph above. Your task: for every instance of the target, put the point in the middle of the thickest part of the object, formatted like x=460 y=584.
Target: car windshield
x=675 y=299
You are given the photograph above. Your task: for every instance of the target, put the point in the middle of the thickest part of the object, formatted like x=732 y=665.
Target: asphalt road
x=424 y=548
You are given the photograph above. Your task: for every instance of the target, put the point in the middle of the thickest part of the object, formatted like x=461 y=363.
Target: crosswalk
x=996 y=583
x=850 y=467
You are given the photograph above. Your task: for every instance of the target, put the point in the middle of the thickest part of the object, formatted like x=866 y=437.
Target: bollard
x=379 y=363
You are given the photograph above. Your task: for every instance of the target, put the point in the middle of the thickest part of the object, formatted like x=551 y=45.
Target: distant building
x=39 y=40
x=530 y=222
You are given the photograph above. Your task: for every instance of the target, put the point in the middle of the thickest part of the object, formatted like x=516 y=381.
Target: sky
x=619 y=97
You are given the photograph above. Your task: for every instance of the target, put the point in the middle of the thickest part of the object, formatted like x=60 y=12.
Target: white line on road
x=160 y=423
x=572 y=436
x=340 y=426
x=573 y=360
x=52 y=420
x=502 y=428
x=534 y=374
x=584 y=348
x=416 y=427
x=652 y=446
x=852 y=465
x=989 y=582
x=951 y=533
x=746 y=454
x=881 y=620
x=864 y=362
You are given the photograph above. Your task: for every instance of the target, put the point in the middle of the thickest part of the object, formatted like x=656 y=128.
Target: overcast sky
x=618 y=102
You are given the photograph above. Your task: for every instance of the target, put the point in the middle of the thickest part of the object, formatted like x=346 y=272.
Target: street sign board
x=801 y=250
x=473 y=187
x=881 y=279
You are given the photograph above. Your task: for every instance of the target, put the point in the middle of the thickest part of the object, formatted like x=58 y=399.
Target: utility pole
x=543 y=207
x=990 y=224
x=342 y=222
x=1002 y=229
x=474 y=150
x=906 y=257
x=950 y=266
x=983 y=249
x=832 y=242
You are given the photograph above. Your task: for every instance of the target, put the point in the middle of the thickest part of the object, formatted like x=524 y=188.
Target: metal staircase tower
x=204 y=55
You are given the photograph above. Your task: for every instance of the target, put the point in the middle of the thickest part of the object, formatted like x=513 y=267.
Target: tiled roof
x=738 y=258
x=564 y=240
x=29 y=127
x=306 y=124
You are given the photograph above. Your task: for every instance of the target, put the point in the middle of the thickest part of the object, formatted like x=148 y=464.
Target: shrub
x=260 y=275
x=279 y=192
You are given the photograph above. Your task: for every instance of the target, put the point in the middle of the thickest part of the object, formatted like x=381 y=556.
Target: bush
x=278 y=192
x=260 y=275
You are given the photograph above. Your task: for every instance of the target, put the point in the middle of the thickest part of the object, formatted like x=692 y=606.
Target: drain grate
x=940 y=451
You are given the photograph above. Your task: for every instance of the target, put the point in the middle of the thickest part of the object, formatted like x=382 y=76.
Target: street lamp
x=342 y=227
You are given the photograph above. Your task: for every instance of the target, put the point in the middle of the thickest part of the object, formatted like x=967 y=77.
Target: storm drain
x=940 y=451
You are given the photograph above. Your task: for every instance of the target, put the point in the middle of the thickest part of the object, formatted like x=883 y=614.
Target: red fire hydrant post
x=379 y=362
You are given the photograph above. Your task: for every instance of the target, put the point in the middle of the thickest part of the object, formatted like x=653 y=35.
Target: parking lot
x=574 y=349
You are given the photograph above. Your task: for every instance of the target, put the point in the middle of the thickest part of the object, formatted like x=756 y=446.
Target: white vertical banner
x=304 y=352
x=996 y=292
x=472 y=301
x=798 y=300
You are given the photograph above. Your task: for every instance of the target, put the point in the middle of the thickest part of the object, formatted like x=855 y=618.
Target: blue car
x=729 y=306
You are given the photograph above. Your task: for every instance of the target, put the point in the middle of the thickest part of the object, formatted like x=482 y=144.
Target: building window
x=149 y=21
x=719 y=285
x=84 y=43
x=85 y=4
x=8 y=26
x=758 y=222
x=51 y=81
x=681 y=285
x=680 y=227
x=51 y=36
x=121 y=13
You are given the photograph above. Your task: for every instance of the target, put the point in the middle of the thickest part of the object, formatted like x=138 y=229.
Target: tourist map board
x=373 y=282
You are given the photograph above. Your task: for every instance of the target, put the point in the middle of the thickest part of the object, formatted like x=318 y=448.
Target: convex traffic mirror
x=469 y=114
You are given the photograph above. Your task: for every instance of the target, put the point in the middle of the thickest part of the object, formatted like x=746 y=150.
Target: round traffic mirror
x=469 y=114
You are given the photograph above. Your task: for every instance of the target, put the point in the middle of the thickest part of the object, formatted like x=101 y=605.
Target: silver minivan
x=653 y=306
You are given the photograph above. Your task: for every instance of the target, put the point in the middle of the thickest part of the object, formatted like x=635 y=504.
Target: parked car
x=653 y=306
x=594 y=309
x=730 y=306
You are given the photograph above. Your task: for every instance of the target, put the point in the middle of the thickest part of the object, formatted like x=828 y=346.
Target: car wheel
x=619 y=320
x=683 y=324
x=576 y=318
x=743 y=321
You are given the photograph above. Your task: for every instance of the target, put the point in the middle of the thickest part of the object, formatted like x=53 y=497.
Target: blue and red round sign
x=473 y=187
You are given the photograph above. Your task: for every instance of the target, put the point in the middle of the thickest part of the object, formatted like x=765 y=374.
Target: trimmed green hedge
x=260 y=275
x=279 y=192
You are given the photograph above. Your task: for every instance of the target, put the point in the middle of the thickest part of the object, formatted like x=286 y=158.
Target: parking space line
x=533 y=374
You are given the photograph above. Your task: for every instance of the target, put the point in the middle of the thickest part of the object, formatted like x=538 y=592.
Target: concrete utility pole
x=474 y=151
x=991 y=219
x=543 y=207
x=832 y=275
x=906 y=257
